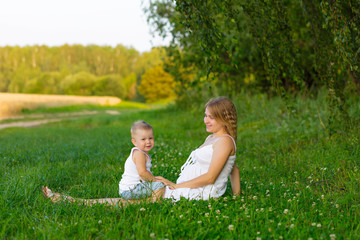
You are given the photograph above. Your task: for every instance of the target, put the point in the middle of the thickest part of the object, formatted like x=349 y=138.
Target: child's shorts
x=142 y=190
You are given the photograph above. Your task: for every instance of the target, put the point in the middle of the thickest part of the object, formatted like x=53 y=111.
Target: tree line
x=78 y=70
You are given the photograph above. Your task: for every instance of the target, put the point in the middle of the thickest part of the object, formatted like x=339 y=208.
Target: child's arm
x=139 y=159
x=235 y=180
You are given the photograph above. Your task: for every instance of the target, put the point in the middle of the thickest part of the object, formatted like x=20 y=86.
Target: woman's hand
x=168 y=183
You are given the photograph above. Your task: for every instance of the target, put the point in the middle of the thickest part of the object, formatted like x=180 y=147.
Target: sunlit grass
x=297 y=182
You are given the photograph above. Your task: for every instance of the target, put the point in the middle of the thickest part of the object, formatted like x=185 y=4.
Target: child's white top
x=131 y=176
x=198 y=164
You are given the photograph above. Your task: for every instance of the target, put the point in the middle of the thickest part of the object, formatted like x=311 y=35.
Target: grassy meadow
x=297 y=181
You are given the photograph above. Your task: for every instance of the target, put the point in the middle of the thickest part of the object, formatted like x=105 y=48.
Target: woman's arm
x=235 y=180
x=221 y=152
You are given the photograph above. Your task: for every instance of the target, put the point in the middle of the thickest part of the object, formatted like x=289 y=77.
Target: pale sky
x=59 y=22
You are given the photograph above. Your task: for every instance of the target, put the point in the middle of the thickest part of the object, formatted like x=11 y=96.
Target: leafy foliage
x=286 y=46
x=156 y=84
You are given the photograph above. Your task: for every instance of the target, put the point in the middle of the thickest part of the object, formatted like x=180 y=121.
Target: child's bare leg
x=157 y=195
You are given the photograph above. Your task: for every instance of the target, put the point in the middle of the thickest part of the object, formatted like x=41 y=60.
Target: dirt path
x=51 y=118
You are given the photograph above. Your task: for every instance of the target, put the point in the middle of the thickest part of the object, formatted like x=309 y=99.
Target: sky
x=59 y=22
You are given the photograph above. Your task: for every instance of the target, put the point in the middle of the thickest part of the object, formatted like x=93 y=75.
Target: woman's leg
x=57 y=197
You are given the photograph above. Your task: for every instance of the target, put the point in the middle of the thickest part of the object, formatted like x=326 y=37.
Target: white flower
x=199 y=222
x=217 y=211
x=286 y=211
x=337 y=205
x=152 y=235
x=142 y=209
x=270 y=209
x=292 y=226
x=255 y=197
x=313 y=224
x=319 y=225
x=99 y=222
x=332 y=236
x=181 y=216
x=231 y=227
x=207 y=214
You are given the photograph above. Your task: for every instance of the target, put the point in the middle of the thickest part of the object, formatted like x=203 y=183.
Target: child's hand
x=166 y=182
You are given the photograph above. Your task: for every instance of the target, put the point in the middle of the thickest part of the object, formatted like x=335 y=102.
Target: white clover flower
x=319 y=225
x=292 y=219
x=152 y=235
x=258 y=238
x=181 y=216
x=332 y=236
x=99 y=222
x=286 y=211
x=261 y=209
x=217 y=211
x=322 y=197
x=337 y=205
x=199 y=222
x=292 y=226
x=207 y=214
x=313 y=224
x=255 y=197
x=231 y=227
x=258 y=232
x=142 y=209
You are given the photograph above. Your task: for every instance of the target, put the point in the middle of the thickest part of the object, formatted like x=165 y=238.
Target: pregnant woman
x=206 y=172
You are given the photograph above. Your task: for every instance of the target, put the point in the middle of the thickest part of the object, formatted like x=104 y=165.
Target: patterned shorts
x=142 y=190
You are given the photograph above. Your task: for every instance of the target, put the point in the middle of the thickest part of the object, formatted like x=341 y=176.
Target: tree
x=156 y=84
x=79 y=84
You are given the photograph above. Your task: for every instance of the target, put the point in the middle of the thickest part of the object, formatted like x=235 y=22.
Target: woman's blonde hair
x=224 y=111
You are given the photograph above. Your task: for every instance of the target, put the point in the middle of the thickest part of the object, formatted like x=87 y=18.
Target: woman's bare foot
x=55 y=197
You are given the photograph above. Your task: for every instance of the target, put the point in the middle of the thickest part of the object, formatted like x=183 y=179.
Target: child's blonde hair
x=139 y=125
x=224 y=111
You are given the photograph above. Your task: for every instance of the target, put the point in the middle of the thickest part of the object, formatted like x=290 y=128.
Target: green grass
x=297 y=182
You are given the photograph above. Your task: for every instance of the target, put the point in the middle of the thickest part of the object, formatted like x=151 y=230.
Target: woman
x=205 y=174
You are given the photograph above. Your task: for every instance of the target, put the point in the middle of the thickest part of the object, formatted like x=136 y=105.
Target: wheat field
x=11 y=104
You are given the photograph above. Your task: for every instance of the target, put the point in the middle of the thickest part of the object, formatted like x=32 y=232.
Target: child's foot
x=55 y=197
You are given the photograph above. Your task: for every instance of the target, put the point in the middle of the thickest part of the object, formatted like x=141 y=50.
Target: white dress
x=198 y=164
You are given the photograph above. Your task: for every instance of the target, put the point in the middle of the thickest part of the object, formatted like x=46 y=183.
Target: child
x=137 y=181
